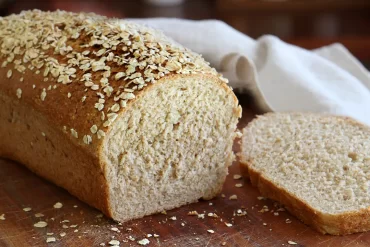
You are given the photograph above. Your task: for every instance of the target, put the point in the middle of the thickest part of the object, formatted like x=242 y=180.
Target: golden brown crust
x=66 y=55
x=29 y=138
x=338 y=224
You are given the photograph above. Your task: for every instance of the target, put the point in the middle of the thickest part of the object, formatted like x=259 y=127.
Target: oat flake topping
x=111 y=58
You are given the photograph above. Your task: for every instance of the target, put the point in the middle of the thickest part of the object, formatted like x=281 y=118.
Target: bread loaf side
x=116 y=113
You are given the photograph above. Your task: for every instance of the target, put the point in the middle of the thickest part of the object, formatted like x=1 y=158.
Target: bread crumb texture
x=103 y=62
x=322 y=160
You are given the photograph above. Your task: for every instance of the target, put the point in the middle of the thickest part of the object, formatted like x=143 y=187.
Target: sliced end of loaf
x=171 y=147
x=316 y=165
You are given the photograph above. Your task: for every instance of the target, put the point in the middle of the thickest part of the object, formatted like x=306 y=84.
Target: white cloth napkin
x=282 y=77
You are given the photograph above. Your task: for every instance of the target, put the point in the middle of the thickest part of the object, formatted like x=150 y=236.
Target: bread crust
x=338 y=224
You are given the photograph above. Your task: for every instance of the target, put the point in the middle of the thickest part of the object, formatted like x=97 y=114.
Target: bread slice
x=119 y=115
x=318 y=166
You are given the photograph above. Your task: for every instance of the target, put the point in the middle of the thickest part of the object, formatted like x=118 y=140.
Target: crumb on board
x=233 y=197
x=228 y=224
x=114 y=242
x=292 y=242
x=40 y=224
x=115 y=229
x=143 y=241
x=51 y=240
x=193 y=213
x=58 y=205
x=201 y=216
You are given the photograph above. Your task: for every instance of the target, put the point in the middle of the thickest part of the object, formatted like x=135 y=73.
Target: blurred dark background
x=306 y=23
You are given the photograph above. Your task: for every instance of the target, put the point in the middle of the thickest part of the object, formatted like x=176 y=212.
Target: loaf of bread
x=318 y=166
x=116 y=113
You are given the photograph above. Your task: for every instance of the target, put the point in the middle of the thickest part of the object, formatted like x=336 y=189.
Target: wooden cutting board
x=258 y=223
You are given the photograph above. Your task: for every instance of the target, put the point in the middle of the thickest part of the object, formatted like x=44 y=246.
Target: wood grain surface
x=19 y=189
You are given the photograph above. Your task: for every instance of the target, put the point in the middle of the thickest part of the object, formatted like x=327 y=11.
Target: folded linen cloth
x=282 y=77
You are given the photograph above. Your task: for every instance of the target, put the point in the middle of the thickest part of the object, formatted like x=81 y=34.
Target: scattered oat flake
x=27 y=209
x=74 y=133
x=237 y=176
x=223 y=243
x=115 y=229
x=19 y=93
x=75 y=206
x=2 y=217
x=94 y=129
x=43 y=95
x=228 y=224
x=211 y=231
x=40 y=224
x=39 y=215
x=51 y=240
x=182 y=224
x=173 y=218
x=144 y=241
x=62 y=234
x=58 y=205
x=238 y=185
x=87 y=139
x=155 y=235
x=114 y=242
x=292 y=242
x=73 y=226
x=233 y=197
x=260 y=198
x=149 y=235
x=102 y=244
x=265 y=224
x=201 y=216
x=49 y=233
x=193 y=213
